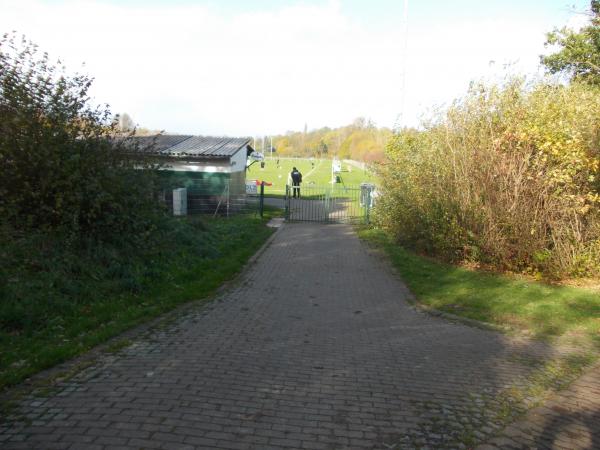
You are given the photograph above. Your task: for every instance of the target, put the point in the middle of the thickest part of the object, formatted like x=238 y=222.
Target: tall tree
x=579 y=51
x=61 y=166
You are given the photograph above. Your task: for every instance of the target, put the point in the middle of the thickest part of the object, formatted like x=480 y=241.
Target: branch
x=592 y=65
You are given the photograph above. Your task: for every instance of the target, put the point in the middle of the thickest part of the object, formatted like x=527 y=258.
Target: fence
x=330 y=203
x=210 y=198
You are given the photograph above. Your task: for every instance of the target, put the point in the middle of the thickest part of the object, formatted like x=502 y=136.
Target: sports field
x=319 y=175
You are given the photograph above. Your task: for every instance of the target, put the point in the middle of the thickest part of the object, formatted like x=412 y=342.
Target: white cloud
x=191 y=69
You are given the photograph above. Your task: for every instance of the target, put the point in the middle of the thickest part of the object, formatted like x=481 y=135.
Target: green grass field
x=320 y=175
x=542 y=310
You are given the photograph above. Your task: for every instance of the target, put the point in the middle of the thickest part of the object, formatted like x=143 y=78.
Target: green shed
x=210 y=168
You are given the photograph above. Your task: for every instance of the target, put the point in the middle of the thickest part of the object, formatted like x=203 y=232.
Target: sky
x=260 y=67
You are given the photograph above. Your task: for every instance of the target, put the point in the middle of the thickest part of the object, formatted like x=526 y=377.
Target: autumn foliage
x=507 y=177
x=360 y=141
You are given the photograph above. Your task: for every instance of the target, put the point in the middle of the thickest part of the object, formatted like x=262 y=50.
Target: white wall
x=238 y=161
x=195 y=166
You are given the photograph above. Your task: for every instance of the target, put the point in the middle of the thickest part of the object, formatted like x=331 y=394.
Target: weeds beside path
x=559 y=313
x=54 y=313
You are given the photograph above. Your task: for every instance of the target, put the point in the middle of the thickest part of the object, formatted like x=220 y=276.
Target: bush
x=42 y=276
x=507 y=176
x=61 y=166
x=57 y=301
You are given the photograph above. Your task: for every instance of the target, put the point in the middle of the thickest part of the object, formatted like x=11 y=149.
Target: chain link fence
x=210 y=198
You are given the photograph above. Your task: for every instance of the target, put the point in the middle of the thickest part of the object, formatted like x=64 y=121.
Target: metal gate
x=336 y=203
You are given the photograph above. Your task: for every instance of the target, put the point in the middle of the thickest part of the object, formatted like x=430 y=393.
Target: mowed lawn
x=319 y=175
x=542 y=310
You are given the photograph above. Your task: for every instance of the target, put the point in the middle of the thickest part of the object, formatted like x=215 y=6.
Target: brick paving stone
x=316 y=347
x=570 y=419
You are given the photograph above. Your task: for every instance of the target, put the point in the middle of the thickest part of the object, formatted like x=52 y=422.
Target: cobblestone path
x=315 y=347
x=569 y=420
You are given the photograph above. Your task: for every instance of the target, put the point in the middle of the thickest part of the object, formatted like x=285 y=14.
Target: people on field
x=296 y=177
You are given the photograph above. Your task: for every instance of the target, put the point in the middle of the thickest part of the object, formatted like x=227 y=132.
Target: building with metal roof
x=213 y=163
x=188 y=146
x=156 y=143
x=204 y=147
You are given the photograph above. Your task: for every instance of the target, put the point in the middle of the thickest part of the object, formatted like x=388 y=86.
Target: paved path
x=316 y=348
x=569 y=420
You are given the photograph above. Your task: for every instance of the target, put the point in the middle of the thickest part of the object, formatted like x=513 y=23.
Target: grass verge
x=540 y=310
x=57 y=302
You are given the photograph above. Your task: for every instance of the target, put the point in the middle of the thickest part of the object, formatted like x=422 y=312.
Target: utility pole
x=404 y=57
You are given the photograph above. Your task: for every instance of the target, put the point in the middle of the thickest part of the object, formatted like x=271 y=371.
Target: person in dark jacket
x=296 y=180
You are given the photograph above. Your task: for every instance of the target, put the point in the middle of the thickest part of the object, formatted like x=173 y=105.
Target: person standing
x=296 y=180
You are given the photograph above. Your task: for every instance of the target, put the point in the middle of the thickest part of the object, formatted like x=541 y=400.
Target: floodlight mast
x=404 y=57
x=332 y=172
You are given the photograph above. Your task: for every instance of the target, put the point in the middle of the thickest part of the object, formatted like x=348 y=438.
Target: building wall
x=211 y=176
x=210 y=166
x=239 y=161
x=211 y=183
x=237 y=183
x=236 y=163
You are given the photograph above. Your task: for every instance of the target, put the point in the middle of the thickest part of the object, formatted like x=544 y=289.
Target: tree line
x=361 y=141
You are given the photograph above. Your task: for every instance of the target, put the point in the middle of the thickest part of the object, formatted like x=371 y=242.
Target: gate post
x=228 y=198
x=287 y=202
x=261 y=202
x=366 y=199
x=368 y=208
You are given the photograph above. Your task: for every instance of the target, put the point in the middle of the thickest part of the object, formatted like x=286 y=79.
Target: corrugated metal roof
x=209 y=147
x=156 y=143
x=193 y=146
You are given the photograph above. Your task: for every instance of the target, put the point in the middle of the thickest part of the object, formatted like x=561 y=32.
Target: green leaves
x=62 y=167
x=578 y=54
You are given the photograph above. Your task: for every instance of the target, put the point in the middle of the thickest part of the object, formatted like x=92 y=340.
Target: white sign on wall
x=251 y=187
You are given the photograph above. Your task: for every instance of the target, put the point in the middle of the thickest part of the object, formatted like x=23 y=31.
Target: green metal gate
x=336 y=203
